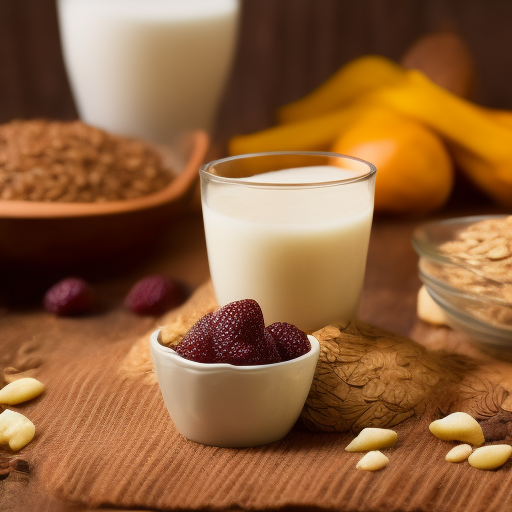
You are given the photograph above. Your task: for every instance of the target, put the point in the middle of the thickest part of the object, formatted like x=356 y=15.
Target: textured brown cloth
x=105 y=439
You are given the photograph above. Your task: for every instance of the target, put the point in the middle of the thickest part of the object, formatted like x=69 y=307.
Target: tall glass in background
x=290 y=230
x=148 y=68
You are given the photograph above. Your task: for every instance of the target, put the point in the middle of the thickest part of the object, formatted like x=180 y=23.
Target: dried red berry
x=270 y=350
x=238 y=331
x=241 y=354
x=290 y=341
x=71 y=296
x=154 y=295
x=236 y=334
x=197 y=344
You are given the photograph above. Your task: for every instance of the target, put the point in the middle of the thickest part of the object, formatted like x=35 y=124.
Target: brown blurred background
x=286 y=48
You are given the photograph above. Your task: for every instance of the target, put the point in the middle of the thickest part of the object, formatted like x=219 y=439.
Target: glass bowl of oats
x=466 y=266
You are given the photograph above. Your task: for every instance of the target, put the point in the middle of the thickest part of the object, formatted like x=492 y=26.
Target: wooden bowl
x=70 y=235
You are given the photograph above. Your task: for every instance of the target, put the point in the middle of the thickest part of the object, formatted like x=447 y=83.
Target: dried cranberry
x=71 y=296
x=154 y=295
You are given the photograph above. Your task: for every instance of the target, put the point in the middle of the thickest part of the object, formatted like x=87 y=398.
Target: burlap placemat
x=106 y=439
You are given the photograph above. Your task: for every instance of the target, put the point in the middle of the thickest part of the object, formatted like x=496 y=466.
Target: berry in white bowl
x=230 y=386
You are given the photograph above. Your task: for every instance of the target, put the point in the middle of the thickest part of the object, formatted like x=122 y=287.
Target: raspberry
x=71 y=296
x=197 y=344
x=290 y=341
x=154 y=295
x=238 y=331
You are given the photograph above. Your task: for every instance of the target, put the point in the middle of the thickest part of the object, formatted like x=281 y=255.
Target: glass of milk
x=148 y=68
x=290 y=230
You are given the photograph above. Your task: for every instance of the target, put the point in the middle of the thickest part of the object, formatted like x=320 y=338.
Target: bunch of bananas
x=412 y=129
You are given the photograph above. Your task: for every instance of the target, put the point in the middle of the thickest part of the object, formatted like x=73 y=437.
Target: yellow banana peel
x=480 y=142
x=353 y=80
x=315 y=134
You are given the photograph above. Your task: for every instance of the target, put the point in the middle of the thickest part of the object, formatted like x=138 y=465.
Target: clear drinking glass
x=290 y=230
x=148 y=68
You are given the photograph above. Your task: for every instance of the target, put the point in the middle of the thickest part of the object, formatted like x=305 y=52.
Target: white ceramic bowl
x=233 y=406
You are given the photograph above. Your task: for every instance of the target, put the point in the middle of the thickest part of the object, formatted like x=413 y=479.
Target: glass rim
x=204 y=170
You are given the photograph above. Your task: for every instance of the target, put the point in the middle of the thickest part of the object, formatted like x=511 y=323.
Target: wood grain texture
x=116 y=446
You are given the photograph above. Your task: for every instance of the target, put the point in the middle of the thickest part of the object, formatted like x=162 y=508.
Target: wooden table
x=389 y=300
x=286 y=48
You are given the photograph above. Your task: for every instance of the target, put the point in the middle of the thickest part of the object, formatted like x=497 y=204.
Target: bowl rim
x=429 y=250
x=205 y=171
x=169 y=354
x=199 y=141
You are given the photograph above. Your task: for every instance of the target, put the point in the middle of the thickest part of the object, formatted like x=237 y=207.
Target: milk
x=149 y=68
x=300 y=253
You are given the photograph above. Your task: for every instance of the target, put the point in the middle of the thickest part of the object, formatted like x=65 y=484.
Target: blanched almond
x=15 y=430
x=428 y=310
x=373 y=461
x=21 y=390
x=458 y=426
x=459 y=453
x=372 y=439
x=490 y=457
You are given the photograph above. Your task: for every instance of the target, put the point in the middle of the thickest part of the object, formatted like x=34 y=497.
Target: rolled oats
x=482 y=254
x=72 y=162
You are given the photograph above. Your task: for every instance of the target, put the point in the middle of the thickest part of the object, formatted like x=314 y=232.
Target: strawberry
x=270 y=350
x=235 y=334
x=238 y=331
x=197 y=344
x=290 y=341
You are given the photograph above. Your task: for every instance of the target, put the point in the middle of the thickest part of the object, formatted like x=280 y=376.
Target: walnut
x=368 y=377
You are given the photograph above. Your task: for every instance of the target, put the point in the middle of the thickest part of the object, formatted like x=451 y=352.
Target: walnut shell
x=368 y=377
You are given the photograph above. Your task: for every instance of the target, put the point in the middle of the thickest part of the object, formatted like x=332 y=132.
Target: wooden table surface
x=286 y=48
x=389 y=300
